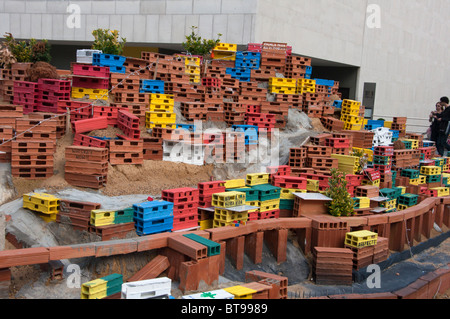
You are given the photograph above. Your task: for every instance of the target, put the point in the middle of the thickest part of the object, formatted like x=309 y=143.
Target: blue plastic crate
x=152 y=86
x=324 y=82
x=247 y=64
x=370 y=127
x=248 y=55
x=395 y=133
x=308 y=70
x=153 y=207
x=189 y=127
x=239 y=72
x=158 y=225
x=117 y=69
x=102 y=59
x=337 y=104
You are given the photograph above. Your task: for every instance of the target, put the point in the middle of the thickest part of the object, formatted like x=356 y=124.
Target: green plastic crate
x=213 y=248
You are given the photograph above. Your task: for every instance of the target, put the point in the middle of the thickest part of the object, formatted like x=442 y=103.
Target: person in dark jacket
x=434 y=127
x=443 y=119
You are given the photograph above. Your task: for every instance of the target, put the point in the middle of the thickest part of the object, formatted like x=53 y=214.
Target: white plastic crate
x=85 y=55
x=146 y=289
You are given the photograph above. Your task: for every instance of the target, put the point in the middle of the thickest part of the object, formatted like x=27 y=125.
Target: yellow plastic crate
x=100 y=217
x=192 y=61
x=228 y=216
x=257 y=179
x=235 y=183
x=218 y=223
x=414 y=143
x=403 y=189
x=439 y=161
x=156 y=97
x=92 y=94
x=430 y=170
x=287 y=193
x=268 y=205
x=388 y=124
x=351 y=119
x=284 y=82
x=225 y=47
x=312 y=185
x=241 y=292
x=347 y=103
x=442 y=191
x=228 y=199
x=389 y=204
x=352 y=127
x=94 y=286
x=205 y=224
x=48 y=218
x=224 y=55
x=375 y=182
x=161 y=108
x=401 y=207
x=361 y=238
x=254 y=203
x=41 y=202
x=160 y=118
x=364 y=202
x=153 y=125
x=282 y=90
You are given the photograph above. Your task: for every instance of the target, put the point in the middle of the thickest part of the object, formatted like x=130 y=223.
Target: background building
x=389 y=54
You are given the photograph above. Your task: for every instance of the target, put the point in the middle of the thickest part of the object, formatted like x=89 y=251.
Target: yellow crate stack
x=312 y=185
x=269 y=205
x=288 y=193
x=228 y=199
x=161 y=111
x=364 y=202
x=366 y=151
x=422 y=179
x=306 y=86
x=240 y=292
x=414 y=143
x=92 y=94
x=225 y=51
x=351 y=115
x=361 y=238
x=389 y=204
x=282 y=86
x=101 y=217
x=45 y=205
x=225 y=217
x=347 y=163
x=192 y=68
x=234 y=183
x=94 y=289
x=430 y=170
x=257 y=179
x=442 y=191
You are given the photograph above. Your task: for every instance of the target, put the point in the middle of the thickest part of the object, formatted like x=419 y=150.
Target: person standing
x=443 y=120
x=434 y=127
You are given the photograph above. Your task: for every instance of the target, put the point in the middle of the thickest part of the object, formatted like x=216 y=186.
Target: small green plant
x=341 y=203
x=108 y=41
x=28 y=51
x=363 y=159
x=196 y=45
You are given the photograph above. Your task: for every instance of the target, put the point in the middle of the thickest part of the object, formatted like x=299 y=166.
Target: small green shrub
x=108 y=41
x=196 y=45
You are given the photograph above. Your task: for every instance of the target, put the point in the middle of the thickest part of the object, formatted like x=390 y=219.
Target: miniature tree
x=341 y=203
x=108 y=41
x=196 y=45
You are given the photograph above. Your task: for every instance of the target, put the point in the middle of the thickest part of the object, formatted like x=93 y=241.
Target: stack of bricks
x=332 y=266
x=295 y=100
x=399 y=124
x=76 y=214
x=91 y=81
x=121 y=86
x=279 y=109
x=185 y=204
x=129 y=125
x=213 y=88
x=234 y=113
x=227 y=210
x=6 y=86
x=340 y=146
x=332 y=124
x=86 y=166
x=361 y=139
x=250 y=93
x=234 y=151
x=192 y=68
x=6 y=135
x=32 y=159
x=273 y=56
x=26 y=94
x=278 y=283
x=126 y=152
x=137 y=66
x=161 y=111
x=382 y=161
x=206 y=191
x=263 y=121
x=77 y=110
x=297 y=67
x=39 y=126
x=352 y=114
x=328 y=231
x=152 y=148
x=50 y=92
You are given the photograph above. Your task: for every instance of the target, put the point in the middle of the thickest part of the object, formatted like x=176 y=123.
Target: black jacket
x=445 y=118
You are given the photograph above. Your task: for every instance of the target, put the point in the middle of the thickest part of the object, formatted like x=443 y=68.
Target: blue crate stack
x=247 y=60
x=395 y=135
x=241 y=74
x=250 y=132
x=373 y=124
x=151 y=86
x=153 y=217
x=114 y=62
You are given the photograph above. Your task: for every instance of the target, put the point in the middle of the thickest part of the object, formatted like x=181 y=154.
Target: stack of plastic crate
x=351 y=115
x=153 y=217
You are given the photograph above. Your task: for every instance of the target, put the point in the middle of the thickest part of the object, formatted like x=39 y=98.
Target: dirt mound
x=154 y=176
